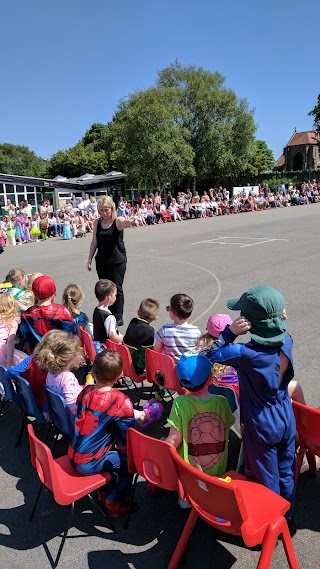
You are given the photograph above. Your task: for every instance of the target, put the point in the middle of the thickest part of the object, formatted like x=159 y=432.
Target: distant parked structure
x=301 y=153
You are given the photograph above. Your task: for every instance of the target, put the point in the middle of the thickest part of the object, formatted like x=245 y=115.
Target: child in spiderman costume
x=104 y=415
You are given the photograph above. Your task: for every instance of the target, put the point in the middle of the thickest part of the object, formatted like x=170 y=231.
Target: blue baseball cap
x=193 y=370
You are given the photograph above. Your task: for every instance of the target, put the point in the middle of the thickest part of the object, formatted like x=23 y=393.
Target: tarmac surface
x=211 y=260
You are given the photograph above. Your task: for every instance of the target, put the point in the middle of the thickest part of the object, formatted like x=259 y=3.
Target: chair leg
x=240 y=458
x=102 y=513
x=22 y=426
x=134 y=486
x=288 y=547
x=312 y=463
x=140 y=395
x=268 y=544
x=36 y=502
x=299 y=462
x=184 y=538
x=70 y=518
x=48 y=431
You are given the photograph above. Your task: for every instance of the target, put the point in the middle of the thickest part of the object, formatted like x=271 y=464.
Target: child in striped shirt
x=179 y=337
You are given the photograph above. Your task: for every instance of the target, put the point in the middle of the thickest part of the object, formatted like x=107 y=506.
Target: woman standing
x=111 y=258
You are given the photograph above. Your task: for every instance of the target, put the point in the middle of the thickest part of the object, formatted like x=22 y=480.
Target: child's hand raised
x=240 y=326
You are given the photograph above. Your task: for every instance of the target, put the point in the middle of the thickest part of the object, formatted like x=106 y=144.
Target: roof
x=308 y=137
x=280 y=161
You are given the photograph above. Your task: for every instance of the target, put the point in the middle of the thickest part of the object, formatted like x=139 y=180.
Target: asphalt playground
x=211 y=260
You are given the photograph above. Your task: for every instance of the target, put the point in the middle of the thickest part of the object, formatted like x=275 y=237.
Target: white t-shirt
x=110 y=325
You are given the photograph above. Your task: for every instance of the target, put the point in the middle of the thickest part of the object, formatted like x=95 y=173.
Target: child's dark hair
x=182 y=305
x=104 y=288
x=148 y=309
x=71 y=297
x=107 y=366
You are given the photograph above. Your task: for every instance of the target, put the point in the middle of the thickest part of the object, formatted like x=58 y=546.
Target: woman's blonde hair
x=107 y=201
x=8 y=308
x=71 y=297
x=58 y=351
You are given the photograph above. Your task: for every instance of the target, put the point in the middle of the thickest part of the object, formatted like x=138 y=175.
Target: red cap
x=43 y=287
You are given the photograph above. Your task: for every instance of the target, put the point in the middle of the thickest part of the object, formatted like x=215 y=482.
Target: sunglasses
x=168 y=308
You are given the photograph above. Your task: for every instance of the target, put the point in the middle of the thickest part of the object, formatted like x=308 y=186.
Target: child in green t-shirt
x=200 y=422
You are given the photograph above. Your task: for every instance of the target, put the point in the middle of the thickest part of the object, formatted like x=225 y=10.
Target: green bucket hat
x=263 y=306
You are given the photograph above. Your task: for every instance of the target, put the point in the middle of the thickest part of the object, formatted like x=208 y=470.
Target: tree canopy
x=188 y=127
x=20 y=161
x=315 y=113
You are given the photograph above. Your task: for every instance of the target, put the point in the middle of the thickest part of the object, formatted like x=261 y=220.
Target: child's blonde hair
x=71 y=297
x=8 y=308
x=16 y=277
x=149 y=309
x=30 y=278
x=58 y=351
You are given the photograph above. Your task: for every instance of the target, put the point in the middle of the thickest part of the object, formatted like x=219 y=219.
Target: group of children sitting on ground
x=199 y=421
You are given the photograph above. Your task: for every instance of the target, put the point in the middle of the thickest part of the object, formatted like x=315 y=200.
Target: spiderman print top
x=103 y=418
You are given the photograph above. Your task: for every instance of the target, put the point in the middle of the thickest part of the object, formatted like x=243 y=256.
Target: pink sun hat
x=217 y=323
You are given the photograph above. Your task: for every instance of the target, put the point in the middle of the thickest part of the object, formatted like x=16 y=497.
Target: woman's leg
x=116 y=274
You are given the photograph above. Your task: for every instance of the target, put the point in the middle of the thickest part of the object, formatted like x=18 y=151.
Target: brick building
x=301 y=153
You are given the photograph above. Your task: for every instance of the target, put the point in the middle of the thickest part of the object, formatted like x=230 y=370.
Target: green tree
x=221 y=126
x=20 y=161
x=150 y=143
x=77 y=161
x=315 y=113
x=262 y=158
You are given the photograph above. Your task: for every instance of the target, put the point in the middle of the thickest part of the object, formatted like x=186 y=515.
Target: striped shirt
x=177 y=338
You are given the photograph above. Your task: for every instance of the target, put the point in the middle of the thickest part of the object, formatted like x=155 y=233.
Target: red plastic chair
x=161 y=372
x=128 y=367
x=87 y=344
x=252 y=510
x=66 y=484
x=308 y=427
x=151 y=459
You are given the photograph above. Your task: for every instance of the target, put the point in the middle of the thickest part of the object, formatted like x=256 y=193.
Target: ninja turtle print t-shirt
x=205 y=429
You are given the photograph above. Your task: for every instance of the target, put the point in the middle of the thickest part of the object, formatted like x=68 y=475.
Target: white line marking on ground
x=216 y=298
x=258 y=243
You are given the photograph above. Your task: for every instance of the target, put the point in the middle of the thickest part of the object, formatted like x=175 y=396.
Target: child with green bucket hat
x=265 y=368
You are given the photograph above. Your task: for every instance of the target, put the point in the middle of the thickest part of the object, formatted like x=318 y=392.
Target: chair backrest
x=10 y=393
x=226 y=392
x=124 y=352
x=28 y=402
x=152 y=459
x=59 y=413
x=41 y=459
x=161 y=370
x=212 y=497
x=308 y=425
x=87 y=344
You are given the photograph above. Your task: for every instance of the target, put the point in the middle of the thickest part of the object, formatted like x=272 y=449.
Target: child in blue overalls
x=264 y=367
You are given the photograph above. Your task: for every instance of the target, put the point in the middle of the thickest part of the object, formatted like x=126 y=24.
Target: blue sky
x=66 y=63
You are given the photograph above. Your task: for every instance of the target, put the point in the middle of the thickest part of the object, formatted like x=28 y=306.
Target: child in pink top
x=58 y=353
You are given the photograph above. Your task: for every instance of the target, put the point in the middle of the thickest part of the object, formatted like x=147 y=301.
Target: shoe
x=120 y=509
x=291 y=526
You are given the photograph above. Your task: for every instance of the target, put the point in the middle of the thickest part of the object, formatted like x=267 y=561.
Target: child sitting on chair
x=104 y=322
x=99 y=444
x=178 y=337
x=140 y=335
x=200 y=422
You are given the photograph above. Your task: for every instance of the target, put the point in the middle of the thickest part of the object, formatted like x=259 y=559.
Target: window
x=20 y=189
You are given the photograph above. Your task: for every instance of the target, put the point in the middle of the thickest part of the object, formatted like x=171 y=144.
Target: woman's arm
x=93 y=245
x=122 y=223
